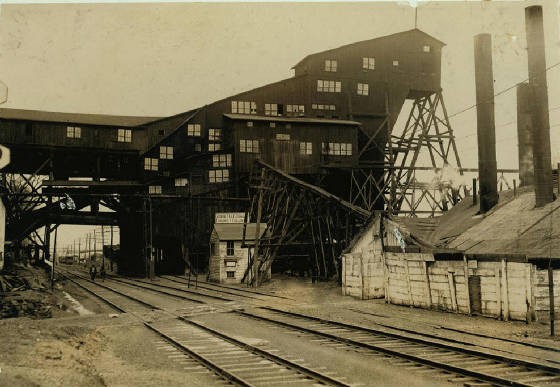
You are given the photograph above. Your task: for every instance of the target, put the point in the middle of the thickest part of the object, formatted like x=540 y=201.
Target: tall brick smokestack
x=539 y=105
x=524 y=135
x=485 y=126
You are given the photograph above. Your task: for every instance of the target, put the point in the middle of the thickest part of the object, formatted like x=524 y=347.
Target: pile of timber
x=23 y=293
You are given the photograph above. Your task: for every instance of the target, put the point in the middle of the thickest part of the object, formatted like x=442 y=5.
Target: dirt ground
x=83 y=343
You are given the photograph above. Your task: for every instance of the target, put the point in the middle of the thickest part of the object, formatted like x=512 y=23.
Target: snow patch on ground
x=79 y=308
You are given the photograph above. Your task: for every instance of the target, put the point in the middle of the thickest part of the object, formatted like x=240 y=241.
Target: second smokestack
x=485 y=126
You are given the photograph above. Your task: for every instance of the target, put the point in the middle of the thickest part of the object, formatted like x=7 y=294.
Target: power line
x=499 y=93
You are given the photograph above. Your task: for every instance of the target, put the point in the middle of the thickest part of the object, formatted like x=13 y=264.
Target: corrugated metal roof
x=513 y=227
x=234 y=231
x=252 y=117
x=75 y=118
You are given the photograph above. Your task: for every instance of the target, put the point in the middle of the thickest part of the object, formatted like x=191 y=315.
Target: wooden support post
x=452 y=290
x=112 y=252
x=103 y=247
x=466 y=273
x=54 y=258
x=255 y=278
x=498 y=276
x=474 y=193
x=505 y=295
x=551 y=296
x=362 y=275
x=428 y=286
x=529 y=293
x=408 y=287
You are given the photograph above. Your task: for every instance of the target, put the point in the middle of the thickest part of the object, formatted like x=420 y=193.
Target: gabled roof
x=252 y=117
x=74 y=118
x=234 y=231
x=402 y=33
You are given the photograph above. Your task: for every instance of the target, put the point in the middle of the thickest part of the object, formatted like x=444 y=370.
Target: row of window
x=123 y=135
x=336 y=149
x=323 y=107
x=368 y=63
x=335 y=87
x=305 y=147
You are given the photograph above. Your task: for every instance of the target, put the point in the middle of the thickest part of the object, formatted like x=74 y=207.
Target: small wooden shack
x=229 y=260
x=493 y=265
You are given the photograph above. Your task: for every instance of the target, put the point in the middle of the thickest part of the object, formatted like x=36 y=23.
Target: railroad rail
x=481 y=367
x=237 y=362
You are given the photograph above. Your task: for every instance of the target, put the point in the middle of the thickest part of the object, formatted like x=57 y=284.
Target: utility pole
x=103 y=247
x=54 y=258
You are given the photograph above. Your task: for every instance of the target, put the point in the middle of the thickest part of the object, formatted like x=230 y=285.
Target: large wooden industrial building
x=334 y=115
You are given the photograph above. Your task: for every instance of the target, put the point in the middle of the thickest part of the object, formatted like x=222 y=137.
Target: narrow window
x=282 y=136
x=214 y=146
x=181 y=182
x=368 y=63
x=150 y=164
x=166 y=152
x=230 y=248
x=193 y=130
x=215 y=134
x=395 y=63
x=273 y=124
x=124 y=135
x=305 y=148
x=331 y=65
x=73 y=132
x=270 y=109
x=154 y=189
x=363 y=89
x=221 y=161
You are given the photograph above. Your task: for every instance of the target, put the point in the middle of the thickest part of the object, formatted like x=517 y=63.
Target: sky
x=161 y=59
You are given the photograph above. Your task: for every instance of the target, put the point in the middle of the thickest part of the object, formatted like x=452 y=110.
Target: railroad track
x=236 y=362
x=226 y=289
x=472 y=367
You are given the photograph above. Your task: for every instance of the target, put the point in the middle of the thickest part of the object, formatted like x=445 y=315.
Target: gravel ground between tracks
x=103 y=350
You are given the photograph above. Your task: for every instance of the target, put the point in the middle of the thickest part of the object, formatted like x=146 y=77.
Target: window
x=329 y=86
x=305 y=148
x=124 y=135
x=249 y=124
x=330 y=65
x=215 y=134
x=221 y=161
x=363 y=89
x=154 y=189
x=218 y=176
x=230 y=263
x=181 y=182
x=166 y=152
x=150 y=164
x=427 y=48
x=214 y=146
x=197 y=147
x=368 y=63
x=273 y=124
x=73 y=132
x=282 y=136
x=230 y=274
x=161 y=132
x=336 y=149
x=28 y=129
x=395 y=63
x=244 y=107
x=323 y=107
x=295 y=110
x=249 y=146
x=230 y=248
x=270 y=109
x=193 y=130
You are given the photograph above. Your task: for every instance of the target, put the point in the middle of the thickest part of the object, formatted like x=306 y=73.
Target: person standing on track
x=92 y=272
